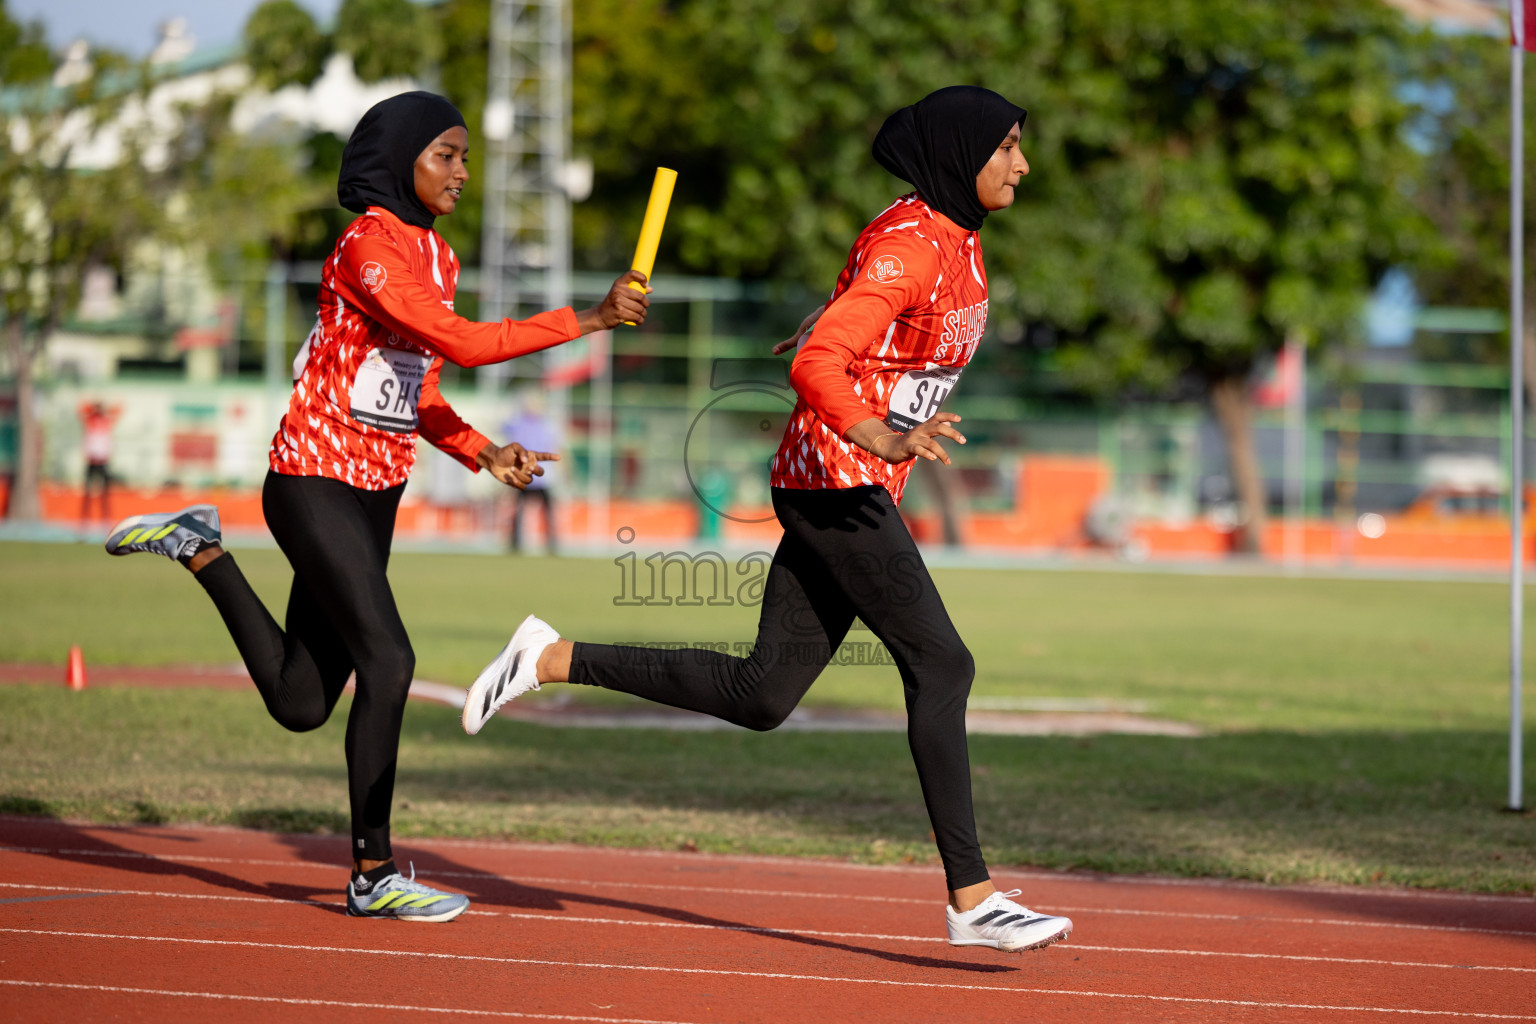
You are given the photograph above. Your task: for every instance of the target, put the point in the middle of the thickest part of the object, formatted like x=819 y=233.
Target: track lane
x=605 y=917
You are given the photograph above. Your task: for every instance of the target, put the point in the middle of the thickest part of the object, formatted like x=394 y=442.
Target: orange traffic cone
x=74 y=675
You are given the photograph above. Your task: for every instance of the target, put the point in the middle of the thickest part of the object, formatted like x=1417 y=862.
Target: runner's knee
x=764 y=712
x=300 y=716
x=768 y=685
x=949 y=667
x=388 y=672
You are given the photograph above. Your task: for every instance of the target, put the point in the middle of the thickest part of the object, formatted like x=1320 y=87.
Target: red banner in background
x=1283 y=380
x=1522 y=21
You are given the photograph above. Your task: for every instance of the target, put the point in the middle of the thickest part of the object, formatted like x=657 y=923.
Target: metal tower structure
x=527 y=130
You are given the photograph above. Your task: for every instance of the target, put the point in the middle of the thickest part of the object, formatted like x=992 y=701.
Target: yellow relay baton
x=650 y=228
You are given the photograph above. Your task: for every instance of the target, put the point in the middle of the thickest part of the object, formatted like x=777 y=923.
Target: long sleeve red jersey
x=369 y=384
x=907 y=314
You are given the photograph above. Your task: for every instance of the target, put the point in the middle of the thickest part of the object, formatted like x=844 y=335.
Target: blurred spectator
x=98 y=421
x=532 y=429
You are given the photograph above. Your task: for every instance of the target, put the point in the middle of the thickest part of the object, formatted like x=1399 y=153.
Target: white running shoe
x=1002 y=924
x=514 y=672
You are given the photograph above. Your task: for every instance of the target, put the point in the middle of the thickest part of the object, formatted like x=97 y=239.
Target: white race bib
x=918 y=395
x=387 y=388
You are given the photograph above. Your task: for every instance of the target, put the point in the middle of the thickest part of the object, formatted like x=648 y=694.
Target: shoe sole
x=447 y=915
x=1021 y=947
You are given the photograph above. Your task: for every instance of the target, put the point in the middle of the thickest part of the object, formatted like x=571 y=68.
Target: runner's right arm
x=373 y=275
x=853 y=322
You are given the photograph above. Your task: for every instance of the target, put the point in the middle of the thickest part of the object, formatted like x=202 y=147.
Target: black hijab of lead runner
x=378 y=166
x=941 y=142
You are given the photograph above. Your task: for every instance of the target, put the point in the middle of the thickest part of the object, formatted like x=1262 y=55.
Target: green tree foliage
x=1466 y=131
x=283 y=45
x=54 y=222
x=1209 y=178
x=24 y=55
x=387 y=38
x=464 y=27
x=189 y=181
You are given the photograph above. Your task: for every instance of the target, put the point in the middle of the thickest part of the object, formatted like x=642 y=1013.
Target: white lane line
x=1301 y=957
x=764 y=930
x=324 y=1002
x=781 y=861
x=798 y=893
x=770 y=975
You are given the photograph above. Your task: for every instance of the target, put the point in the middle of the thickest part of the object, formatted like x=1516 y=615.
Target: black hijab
x=378 y=167
x=942 y=142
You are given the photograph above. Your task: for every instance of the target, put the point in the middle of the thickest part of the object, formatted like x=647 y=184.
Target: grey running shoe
x=404 y=899
x=1003 y=924
x=176 y=535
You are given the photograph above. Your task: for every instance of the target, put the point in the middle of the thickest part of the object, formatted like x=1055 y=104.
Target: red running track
x=193 y=924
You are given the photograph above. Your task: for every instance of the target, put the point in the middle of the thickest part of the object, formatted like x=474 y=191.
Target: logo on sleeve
x=885 y=269
x=374 y=277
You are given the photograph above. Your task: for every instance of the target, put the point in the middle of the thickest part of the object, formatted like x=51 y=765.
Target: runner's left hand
x=921 y=442
x=513 y=464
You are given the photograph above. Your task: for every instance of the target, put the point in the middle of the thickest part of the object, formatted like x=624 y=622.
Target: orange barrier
x=1052 y=498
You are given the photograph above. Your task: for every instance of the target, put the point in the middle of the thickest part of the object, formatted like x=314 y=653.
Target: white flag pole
x=1516 y=397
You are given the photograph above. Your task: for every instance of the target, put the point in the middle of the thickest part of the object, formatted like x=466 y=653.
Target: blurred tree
x=387 y=38
x=54 y=222
x=189 y=181
x=24 y=54
x=1466 y=132
x=283 y=45
x=239 y=194
x=1209 y=178
x=464 y=27
x=1210 y=181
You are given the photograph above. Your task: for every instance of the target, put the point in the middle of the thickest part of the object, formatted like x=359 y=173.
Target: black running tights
x=845 y=553
x=341 y=618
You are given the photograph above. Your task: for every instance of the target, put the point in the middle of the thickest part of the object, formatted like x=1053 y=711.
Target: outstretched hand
x=921 y=442
x=793 y=340
x=513 y=464
x=622 y=305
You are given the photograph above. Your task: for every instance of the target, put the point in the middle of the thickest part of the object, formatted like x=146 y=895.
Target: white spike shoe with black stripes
x=1002 y=924
x=514 y=672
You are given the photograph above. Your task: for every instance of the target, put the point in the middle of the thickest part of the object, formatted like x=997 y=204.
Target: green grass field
x=1355 y=729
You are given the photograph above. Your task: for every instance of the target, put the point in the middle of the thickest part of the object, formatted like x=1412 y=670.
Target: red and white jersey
x=906 y=317
x=368 y=383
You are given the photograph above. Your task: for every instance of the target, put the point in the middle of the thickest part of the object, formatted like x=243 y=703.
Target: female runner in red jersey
x=339 y=463
x=906 y=316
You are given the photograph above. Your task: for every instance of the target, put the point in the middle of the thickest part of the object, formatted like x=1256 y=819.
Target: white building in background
x=1485 y=16
x=162 y=277
x=334 y=102
x=200 y=429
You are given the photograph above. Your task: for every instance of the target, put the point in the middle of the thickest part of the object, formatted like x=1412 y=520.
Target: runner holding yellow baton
x=650 y=228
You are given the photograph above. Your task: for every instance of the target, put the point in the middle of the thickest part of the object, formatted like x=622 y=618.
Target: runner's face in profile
x=441 y=171
x=995 y=183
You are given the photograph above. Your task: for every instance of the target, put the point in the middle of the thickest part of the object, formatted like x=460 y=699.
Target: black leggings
x=341 y=617
x=845 y=553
